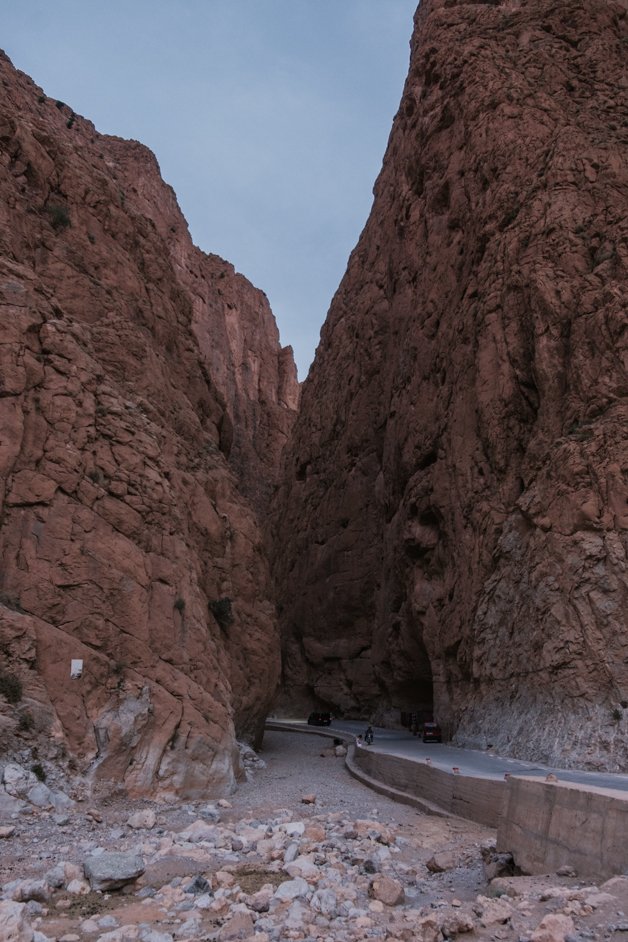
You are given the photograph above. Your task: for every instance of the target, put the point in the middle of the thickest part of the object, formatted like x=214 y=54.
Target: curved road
x=399 y=742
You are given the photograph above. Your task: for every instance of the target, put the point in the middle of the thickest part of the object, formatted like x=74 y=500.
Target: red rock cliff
x=453 y=521
x=143 y=394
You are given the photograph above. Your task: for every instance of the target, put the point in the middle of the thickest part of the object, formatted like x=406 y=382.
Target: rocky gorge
x=451 y=524
x=144 y=402
x=434 y=523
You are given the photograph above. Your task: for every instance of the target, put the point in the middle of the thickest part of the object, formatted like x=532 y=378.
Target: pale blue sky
x=268 y=117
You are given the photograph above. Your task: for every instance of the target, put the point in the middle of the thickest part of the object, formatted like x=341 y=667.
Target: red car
x=432 y=733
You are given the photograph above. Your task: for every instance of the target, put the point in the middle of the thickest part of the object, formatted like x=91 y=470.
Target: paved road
x=398 y=742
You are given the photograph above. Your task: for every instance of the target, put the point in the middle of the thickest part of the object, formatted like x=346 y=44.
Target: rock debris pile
x=209 y=871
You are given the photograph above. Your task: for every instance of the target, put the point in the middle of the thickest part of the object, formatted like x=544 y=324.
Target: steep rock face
x=143 y=393
x=452 y=529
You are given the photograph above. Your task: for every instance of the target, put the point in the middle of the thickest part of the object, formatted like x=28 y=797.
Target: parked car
x=432 y=733
x=319 y=719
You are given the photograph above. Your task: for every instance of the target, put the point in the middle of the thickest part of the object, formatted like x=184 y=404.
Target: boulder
x=387 y=890
x=110 y=871
x=554 y=927
x=14 y=923
x=442 y=861
x=142 y=820
x=298 y=888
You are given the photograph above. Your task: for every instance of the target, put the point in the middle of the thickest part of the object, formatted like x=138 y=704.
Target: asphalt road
x=397 y=742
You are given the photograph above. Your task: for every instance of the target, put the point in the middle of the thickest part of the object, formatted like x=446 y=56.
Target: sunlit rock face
x=144 y=402
x=452 y=526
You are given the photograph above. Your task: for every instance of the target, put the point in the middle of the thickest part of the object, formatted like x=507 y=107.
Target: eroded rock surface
x=452 y=528
x=144 y=401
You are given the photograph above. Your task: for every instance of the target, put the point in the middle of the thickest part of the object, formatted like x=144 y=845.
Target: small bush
x=25 y=722
x=10 y=687
x=617 y=714
x=38 y=770
x=59 y=217
x=222 y=612
x=97 y=476
x=71 y=120
x=179 y=604
x=60 y=105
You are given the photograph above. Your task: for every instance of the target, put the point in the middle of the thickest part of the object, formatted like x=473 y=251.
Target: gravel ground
x=298 y=764
x=361 y=846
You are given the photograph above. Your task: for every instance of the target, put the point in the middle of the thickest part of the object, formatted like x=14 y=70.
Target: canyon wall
x=451 y=531
x=144 y=402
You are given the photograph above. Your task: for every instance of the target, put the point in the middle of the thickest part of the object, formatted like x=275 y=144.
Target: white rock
x=198 y=831
x=142 y=819
x=89 y=925
x=17 y=780
x=325 y=902
x=9 y=805
x=297 y=917
x=78 y=887
x=292 y=852
x=304 y=867
x=148 y=934
x=294 y=828
x=14 y=923
x=204 y=901
x=291 y=889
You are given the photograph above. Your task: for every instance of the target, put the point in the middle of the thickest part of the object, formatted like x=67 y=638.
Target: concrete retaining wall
x=546 y=825
x=478 y=799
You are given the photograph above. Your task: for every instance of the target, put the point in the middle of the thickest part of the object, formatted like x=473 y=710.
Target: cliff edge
x=144 y=400
x=452 y=527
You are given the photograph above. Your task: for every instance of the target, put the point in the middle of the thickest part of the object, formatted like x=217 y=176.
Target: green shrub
x=38 y=770
x=10 y=687
x=25 y=722
x=222 y=612
x=97 y=476
x=179 y=604
x=59 y=217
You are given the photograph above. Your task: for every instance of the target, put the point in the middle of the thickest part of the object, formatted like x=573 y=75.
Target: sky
x=269 y=118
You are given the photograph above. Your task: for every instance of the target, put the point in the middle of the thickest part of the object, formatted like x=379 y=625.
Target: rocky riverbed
x=300 y=852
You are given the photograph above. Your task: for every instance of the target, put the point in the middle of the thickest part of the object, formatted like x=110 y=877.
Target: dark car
x=319 y=719
x=432 y=733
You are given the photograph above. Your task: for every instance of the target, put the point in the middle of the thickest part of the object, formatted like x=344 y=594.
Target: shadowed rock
x=453 y=518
